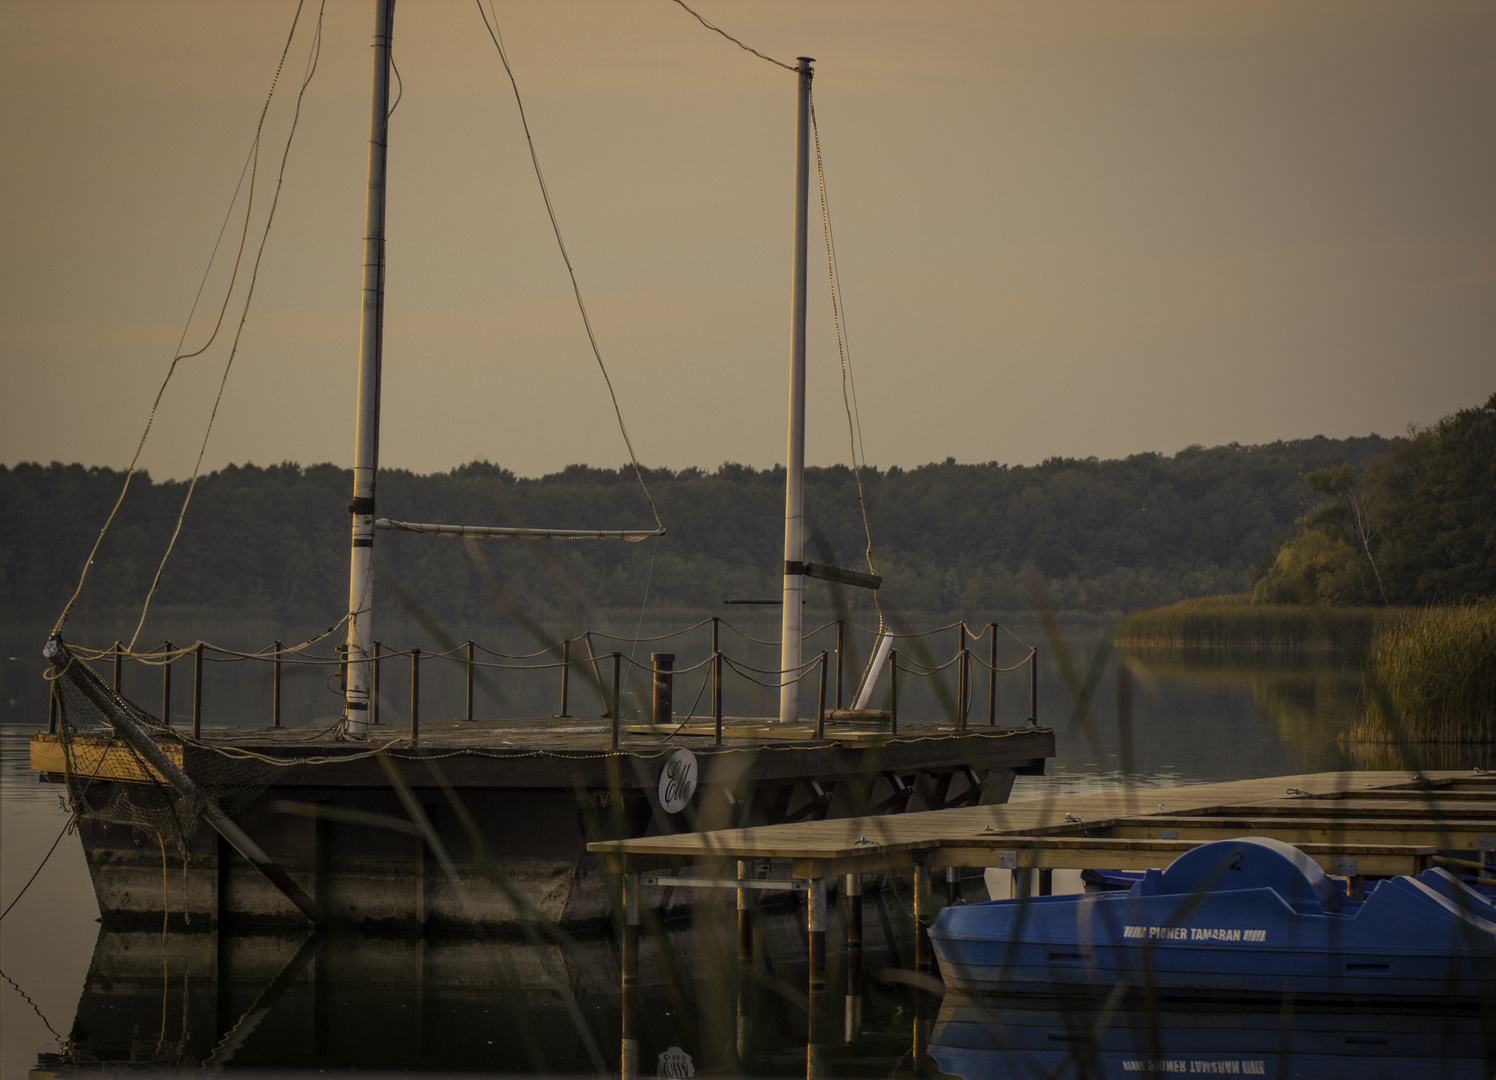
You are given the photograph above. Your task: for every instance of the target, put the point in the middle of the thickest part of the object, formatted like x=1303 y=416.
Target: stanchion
x=616 y=706
x=166 y=659
x=992 y=675
x=197 y=691
x=468 y=714
x=275 y=687
x=374 y=687
x=415 y=694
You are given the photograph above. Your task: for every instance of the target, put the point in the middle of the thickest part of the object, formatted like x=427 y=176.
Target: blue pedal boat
x=1250 y=916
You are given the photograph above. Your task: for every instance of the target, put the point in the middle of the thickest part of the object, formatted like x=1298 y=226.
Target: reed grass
x=1432 y=678
x=1234 y=622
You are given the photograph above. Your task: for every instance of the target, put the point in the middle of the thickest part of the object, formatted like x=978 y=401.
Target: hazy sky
x=1065 y=228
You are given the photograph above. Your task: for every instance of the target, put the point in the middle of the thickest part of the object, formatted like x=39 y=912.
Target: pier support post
x=1046 y=882
x=853 y=998
x=816 y=1049
x=745 y=973
x=1023 y=883
x=922 y=918
x=630 y=960
x=853 y=890
x=815 y=911
x=628 y=1065
x=952 y=885
x=745 y=915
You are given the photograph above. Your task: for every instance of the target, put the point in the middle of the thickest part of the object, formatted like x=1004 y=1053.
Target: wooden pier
x=1354 y=824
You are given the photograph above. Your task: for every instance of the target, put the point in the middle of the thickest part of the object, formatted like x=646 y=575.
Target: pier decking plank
x=1385 y=834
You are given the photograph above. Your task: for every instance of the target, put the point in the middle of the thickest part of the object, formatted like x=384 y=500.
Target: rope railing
x=578 y=656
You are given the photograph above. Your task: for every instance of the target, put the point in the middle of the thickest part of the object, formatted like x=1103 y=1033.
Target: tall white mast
x=366 y=436
x=794 y=483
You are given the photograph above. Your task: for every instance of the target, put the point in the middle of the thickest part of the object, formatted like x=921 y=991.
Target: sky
x=1090 y=228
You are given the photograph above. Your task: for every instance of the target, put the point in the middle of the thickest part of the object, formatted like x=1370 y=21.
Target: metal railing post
x=717 y=677
x=841 y=642
x=415 y=693
x=821 y=701
x=119 y=667
x=963 y=686
x=469 y=714
x=664 y=687
x=52 y=709
x=166 y=660
x=717 y=692
x=992 y=676
x=374 y=686
x=565 y=677
x=1034 y=686
x=616 y=706
x=275 y=691
x=197 y=691
x=893 y=692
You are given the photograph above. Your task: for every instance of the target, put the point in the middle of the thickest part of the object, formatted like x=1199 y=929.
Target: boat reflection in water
x=977 y=1037
x=543 y=1003
x=546 y=1003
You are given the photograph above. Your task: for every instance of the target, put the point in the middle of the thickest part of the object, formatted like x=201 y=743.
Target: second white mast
x=794 y=484
x=366 y=433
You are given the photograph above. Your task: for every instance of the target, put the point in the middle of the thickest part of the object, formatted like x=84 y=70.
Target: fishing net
x=96 y=743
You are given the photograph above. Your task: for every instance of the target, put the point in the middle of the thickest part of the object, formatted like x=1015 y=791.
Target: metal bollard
x=664 y=687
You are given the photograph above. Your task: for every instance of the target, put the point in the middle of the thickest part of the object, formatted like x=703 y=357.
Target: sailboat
x=476 y=822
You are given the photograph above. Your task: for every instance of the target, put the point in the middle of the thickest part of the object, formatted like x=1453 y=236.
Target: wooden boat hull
x=508 y=830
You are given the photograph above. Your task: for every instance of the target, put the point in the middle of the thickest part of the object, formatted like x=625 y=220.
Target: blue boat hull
x=1247 y=917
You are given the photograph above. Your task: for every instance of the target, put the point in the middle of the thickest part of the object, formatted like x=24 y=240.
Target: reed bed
x=1432 y=678
x=1234 y=622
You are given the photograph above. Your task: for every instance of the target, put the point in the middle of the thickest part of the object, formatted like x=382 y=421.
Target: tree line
x=947 y=538
x=1414 y=526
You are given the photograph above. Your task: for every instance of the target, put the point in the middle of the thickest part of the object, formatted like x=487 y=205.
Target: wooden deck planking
x=1383 y=835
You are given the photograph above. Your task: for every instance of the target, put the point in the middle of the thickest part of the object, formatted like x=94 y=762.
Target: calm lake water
x=478 y=1004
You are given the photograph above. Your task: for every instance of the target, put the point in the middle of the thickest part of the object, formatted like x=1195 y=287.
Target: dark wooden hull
x=511 y=822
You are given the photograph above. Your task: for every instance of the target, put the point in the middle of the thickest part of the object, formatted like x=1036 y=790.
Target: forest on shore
x=949 y=538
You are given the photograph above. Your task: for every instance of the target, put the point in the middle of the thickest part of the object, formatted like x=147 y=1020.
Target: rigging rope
x=252 y=167
x=849 y=385
x=243 y=315
x=735 y=41
x=493 y=33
